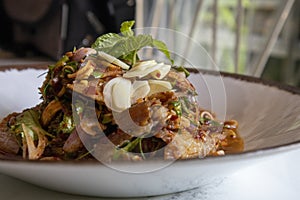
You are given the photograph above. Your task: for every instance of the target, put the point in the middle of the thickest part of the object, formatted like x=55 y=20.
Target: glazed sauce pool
x=233 y=142
x=233 y=145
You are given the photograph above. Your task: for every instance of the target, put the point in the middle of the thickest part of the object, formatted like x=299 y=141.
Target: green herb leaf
x=126 y=28
x=182 y=69
x=161 y=46
x=127 y=45
x=131 y=145
x=135 y=43
x=97 y=74
x=66 y=125
x=64 y=59
x=118 y=152
x=30 y=118
x=106 y=41
x=128 y=48
x=107 y=118
x=177 y=107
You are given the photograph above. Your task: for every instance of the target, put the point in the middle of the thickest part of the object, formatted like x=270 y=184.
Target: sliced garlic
x=140 y=89
x=113 y=60
x=117 y=94
x=159 y=86
x=121 y=95
x=141 y=69
x=161 y=72
x=143 y=65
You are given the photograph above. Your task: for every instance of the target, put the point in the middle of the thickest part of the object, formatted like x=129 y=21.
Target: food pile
x=104 y=102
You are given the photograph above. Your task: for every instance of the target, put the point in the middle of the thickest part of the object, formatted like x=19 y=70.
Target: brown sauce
x=232 y=145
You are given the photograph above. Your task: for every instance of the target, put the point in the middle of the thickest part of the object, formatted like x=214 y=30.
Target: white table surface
x=278 y=178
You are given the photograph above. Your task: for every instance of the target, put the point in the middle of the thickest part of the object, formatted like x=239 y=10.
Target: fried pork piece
x=185 y=146
x=182 y=83
x=9 y=146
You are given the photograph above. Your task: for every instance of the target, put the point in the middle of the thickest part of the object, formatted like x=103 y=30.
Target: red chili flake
x=174 y=117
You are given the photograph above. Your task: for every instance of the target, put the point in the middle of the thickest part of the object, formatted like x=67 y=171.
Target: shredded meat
x=181 y=81
x=8 y=140
x=73 y=143
x=166 y=135
x=119 y=137
x=140 y=113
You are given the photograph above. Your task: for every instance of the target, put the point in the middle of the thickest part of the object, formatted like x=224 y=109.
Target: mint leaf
x=106 y=41
x=132 y=44
x=182 y=69
x=126 y=28
x=161 y=46
x=126 y=45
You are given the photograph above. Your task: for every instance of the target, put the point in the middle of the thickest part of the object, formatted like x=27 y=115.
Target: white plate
x=269 y=119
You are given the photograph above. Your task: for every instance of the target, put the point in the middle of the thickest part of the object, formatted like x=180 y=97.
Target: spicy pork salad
x=106 y=95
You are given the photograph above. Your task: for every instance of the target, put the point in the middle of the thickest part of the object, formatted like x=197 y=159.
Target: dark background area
x=51 y=27
x=46 y=29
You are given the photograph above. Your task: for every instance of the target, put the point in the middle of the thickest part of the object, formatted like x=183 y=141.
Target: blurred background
x=254 y=37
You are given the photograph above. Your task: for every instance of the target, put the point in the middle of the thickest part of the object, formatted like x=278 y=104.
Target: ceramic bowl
x=269 y=122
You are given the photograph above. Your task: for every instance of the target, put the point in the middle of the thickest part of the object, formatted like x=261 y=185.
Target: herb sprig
x=126 y=45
